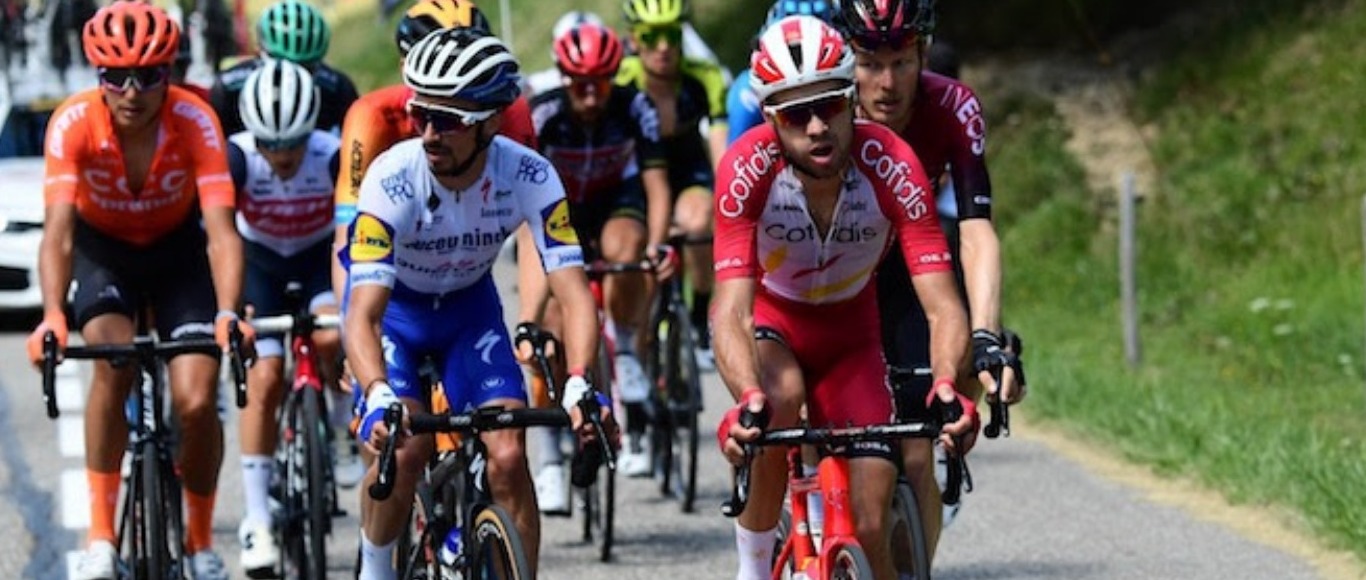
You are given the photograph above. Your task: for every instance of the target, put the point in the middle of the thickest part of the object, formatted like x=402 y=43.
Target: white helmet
x=463 y=63
x=574 y=18
x=279 y=102
x=798 y=51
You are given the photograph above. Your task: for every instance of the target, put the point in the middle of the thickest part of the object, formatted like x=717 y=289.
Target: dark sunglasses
x=282 y=145
x=445 y=119
x=825 y=106
x=140 y=78
x=583 y=86
x=649 y=36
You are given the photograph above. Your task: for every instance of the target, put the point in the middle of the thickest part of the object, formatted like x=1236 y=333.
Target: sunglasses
x=581 y=87
x=445 y=119
x=277 y=146
x=826 y=106
x=649 y=36
x=141 y=78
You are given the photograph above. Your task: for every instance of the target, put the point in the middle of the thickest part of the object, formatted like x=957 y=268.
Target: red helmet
x=798 y=51
x=588 y=50
x=129 y=34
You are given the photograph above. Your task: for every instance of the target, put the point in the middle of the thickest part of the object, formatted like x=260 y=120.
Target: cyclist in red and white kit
x=807 y=204
x=942 y=121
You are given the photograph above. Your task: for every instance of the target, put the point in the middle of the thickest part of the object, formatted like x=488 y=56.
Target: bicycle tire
x=290 y=535
x=779 y=540
x=910 y=550
x=496 y=550
x=684 y=403
x=131 y=534
x=599 y=512
x=155 y=542
x=319 y=516
x=848 y=562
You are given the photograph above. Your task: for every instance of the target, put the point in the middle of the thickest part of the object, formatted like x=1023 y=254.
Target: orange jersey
x=378 y=120
x=85 y=166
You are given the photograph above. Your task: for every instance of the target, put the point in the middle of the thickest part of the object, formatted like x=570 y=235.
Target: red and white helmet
x=798 y=51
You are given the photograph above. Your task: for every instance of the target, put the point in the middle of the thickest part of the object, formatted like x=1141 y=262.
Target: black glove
x=989 y=353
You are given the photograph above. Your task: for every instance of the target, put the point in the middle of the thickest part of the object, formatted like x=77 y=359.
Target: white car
x=21 y=228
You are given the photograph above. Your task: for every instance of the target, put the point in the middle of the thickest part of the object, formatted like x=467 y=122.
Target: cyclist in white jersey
x=432 y=215
x=284 y=172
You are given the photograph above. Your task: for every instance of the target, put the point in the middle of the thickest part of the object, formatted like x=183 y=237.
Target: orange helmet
x=127 y=34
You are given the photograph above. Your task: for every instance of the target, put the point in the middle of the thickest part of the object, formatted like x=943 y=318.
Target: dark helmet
x=428 y=16
x=875 y=23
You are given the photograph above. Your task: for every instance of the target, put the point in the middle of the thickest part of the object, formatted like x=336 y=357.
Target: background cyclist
x=742 y=107
x=132 y=167
x=284 y=172
x=290 y=30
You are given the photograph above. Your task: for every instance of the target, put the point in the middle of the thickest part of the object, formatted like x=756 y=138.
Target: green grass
x=1250 y=269
x=1250 y=247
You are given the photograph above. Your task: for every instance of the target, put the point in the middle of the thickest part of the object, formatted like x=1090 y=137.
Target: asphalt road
x=1035 y=514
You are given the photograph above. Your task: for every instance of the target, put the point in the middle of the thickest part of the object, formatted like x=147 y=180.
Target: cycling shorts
x=170 y=276
x=589 y=218
x=463 y=333
x=267 y=274
x=687 y=171
x=836 y=346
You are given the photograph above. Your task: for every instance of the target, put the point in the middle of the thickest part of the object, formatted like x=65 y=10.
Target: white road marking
x=70 y=393
x=75 y=500
x=71 y=435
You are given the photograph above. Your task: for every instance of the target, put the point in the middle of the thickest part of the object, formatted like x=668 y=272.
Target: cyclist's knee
x=693 y=211
x=196 y=408
x=506 y=457
x=413 y=456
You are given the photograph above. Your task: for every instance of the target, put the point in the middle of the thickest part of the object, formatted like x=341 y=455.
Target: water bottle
x=451 y=549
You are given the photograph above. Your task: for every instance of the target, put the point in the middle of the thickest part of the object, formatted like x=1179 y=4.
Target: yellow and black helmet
x=655 y=12
x=431 y=15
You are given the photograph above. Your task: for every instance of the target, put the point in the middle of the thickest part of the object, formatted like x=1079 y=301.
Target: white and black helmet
x=279 y=102
x=463 y=63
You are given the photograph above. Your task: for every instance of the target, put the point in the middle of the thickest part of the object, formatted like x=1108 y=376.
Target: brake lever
x=1000 y=411
x=739 y=492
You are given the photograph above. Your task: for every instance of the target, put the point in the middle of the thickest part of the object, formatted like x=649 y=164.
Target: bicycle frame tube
x=839 y=514
x=305 y=366
x=799 y=549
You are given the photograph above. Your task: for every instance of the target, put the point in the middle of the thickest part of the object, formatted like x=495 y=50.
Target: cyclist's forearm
x=227 y=264
x=54 y=263
x=948 y=322
x=338 y=272
x=732 y=323
x=716 y=140
x=364 y=350
x=570 y=286
x=658 y=205
x=533 y=291
x=980 y=253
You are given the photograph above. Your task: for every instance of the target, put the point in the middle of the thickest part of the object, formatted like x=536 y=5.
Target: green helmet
x=293 y=30
x=655 y=12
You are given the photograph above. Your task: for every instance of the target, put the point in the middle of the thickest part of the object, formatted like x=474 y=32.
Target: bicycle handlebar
x=285 y=323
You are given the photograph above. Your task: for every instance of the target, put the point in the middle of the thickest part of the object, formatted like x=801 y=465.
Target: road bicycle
x=597 y=499
x=151 y=530
x=303 y=458
x=839 y=554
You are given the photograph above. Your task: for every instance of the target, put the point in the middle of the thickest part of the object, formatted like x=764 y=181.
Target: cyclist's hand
x=960 y=435
x=221 y=324
x=373 y=431
x=731 y=435
x=990 y=355
x=56 y=323
x=524 y=338
x=664 y=259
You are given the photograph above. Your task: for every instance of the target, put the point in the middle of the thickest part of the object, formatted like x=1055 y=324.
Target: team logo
x=371 y=240
x=558 y=230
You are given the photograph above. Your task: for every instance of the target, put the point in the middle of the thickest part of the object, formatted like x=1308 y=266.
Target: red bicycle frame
x=832 y=481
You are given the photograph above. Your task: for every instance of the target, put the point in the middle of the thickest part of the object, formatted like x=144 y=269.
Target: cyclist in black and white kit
x=284 y=171
x=604 y=142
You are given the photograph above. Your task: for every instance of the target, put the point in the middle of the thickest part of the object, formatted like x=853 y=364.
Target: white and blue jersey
x=435 y=247
x=742 y=107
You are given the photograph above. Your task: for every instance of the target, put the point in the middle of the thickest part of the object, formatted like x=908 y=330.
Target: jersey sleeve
x=517 y=123
x=237 y=165
x=967 y=157
x=546 y=211
x=365 y=134
x=743 y=178
x=209 y=150
x=904 y=195
x=649 y=151
x=380 y=212
x=714 y=81
x=65 y=150
x=742 y=108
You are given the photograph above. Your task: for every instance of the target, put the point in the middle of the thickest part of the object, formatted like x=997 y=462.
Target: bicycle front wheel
x=909 y=548
x=848 y=562
x=319 y=516
x=497 y=552
x=683 y=400
x=599 y=511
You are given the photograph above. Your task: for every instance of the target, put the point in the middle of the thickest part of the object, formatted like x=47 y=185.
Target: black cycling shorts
x=590 y=218
x=267 y=274
x=690 y=170
x=170 y=276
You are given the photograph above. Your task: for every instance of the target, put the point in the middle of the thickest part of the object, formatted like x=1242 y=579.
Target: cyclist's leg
x=693 y=215
x=481 y=371
x=551 y=479
x=101 y=309
x=257 y=425
x=183 y=305
x=405 y=334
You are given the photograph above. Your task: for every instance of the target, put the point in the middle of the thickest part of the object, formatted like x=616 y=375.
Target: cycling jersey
x=701 y=95
x=743 y=107
x=417 y=237
x=338 y=93
x=85 y=166
x=764 y=230
x=290 y=215
x=593 y=161
x=380 y=119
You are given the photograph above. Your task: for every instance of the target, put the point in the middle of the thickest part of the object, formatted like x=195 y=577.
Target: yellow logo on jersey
x=371 y=240
x=558 y=230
